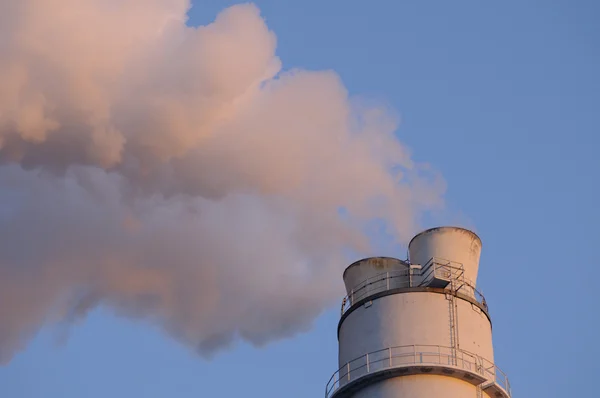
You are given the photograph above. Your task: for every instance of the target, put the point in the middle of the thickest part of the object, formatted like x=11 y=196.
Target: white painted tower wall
x=404 y=335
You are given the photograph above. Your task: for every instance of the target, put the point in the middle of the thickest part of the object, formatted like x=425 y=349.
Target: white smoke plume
x=177 y=175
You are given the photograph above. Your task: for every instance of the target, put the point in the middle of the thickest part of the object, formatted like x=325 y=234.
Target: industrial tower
x=418 y=328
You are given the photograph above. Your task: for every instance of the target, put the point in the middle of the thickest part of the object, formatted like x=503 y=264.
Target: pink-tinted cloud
x=177 y=175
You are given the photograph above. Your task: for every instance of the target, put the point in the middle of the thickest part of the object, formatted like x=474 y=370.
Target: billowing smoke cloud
x=177 y=175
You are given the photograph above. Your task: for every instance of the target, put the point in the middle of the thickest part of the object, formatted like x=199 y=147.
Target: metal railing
x=494 y=373
x=445 y=268
x=400 y=356
x=413 y=278
x=376 y=284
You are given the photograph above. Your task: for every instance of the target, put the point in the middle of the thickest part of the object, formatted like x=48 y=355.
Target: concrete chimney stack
x=418 y=328
x=454 y=244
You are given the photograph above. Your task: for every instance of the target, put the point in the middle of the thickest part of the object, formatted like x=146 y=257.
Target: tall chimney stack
x=418 y=328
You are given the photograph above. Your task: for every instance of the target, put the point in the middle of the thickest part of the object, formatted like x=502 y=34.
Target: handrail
x=455 y=270
x=378 y=283
x=404 y=279
x=496 y=375
x=398 y=356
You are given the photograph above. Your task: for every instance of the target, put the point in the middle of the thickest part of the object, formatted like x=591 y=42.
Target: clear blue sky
x=502 y=97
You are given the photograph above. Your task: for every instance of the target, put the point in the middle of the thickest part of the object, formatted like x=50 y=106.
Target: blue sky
x=502 y=98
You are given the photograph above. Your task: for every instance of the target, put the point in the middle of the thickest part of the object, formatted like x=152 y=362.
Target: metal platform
x=417 y=359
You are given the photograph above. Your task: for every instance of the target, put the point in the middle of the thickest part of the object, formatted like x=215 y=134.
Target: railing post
x=414 y=353
x=352 y=297
x=390 y=355
x=387 y=278
x=348 y=371
x=367 y=363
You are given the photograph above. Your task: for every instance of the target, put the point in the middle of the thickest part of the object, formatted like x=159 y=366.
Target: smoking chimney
x=418 y=328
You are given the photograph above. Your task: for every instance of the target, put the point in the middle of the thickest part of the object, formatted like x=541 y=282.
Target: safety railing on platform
x=413 y=278
x=494 y=373
x=401 y=356
x=376 y=284
x=440 y=267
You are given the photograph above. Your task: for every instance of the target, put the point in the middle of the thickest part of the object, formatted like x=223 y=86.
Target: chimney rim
x=404 y=262
x=445 y=227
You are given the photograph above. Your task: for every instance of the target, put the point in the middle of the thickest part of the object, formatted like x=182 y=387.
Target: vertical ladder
x=479 y=364
x=479 y=391
x=453 y=321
